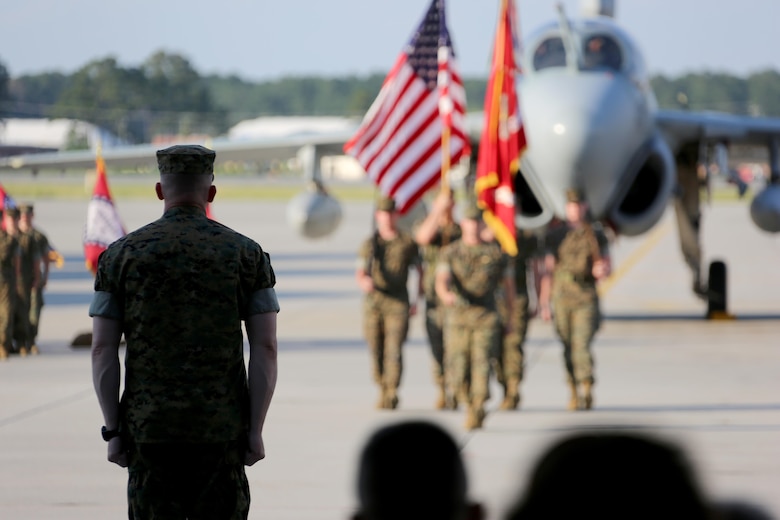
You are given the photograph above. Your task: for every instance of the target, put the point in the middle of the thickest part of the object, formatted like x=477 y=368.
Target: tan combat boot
x=380 y=404
x=475 y=416
x=34 y=350
x=441 y=399
x=512 y=397
x=391 y=398
x=574 y=399
x=22 y=351
x=587 y=395
x=3 y=354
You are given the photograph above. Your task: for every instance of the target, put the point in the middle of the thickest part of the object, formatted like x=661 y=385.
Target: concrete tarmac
x=711 y=386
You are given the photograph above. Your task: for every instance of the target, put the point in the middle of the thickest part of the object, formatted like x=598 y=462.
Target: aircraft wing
x=142 y=157
x=681 y=127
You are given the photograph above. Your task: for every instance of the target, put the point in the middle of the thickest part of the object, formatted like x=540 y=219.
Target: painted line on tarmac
x=639 y=253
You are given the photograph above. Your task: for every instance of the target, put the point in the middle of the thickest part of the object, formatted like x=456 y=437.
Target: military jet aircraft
x=592 y=123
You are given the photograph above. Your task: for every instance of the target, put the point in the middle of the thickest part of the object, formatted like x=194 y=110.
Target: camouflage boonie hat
x=472 y=211
x=26 y=208
x=11 y=212
x=573 y=195
x=385 y=204
x=189 y=158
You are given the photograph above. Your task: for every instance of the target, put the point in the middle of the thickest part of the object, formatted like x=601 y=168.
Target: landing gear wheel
x=717 y=298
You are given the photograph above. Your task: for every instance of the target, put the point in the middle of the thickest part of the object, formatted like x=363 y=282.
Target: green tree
x=4 y=98
x=35 y=95
x=107 y=95
x=764 y=89
x=178 y=97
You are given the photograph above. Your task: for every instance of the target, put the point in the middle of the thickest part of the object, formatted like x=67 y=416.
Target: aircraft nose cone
x=582 y=130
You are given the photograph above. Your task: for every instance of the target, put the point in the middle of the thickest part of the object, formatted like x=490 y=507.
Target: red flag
x=6 y=201
x=103 y=223
x=503 y=137
x=399 y=143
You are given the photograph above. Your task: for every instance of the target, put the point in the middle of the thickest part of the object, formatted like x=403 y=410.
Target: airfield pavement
x=711 y=386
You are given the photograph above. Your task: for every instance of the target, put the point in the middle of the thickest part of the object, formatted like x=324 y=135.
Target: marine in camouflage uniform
x=468 y=275
x=178 y=288
x=510 y=358
x=576 y=257
x=384 y=261
x=9 y=273
x=43 y=248
x=29 y=280
x=437 y=230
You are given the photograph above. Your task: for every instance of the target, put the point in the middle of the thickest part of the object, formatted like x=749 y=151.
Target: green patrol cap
x=11 y=212
x=574 y=195
x=385 y=204
x=186 y=158
x=472 y=211
x=26 y=208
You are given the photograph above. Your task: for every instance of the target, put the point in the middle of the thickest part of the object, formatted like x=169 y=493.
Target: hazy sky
x=265 y=39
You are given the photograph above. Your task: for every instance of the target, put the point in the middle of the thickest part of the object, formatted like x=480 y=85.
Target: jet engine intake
x=641 y=203
x=765 y=209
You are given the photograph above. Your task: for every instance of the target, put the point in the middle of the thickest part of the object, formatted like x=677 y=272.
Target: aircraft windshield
x=550 y=53
x=601 y=52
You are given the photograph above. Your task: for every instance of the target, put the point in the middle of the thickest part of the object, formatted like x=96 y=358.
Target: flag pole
x=445 y=159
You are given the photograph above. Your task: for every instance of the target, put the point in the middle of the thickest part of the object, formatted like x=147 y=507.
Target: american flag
x=399 y=143
x=103 y=223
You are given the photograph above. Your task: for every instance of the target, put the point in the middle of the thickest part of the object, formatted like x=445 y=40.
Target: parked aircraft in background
x=591 y=122
x=313 y=213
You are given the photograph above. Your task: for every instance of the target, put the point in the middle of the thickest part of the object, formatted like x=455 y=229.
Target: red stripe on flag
x=103 y=224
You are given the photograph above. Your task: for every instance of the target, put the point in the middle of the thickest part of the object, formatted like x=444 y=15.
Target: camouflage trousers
x=7 y=303
x=36 y=305
x=576 y=325
x=21 y=320
x=434 y=328
x=509 y=359
x=385 y=325
x=173 y=481
x=471 y=335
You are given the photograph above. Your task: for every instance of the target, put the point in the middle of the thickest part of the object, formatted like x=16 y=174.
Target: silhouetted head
x=412 y=471
x=611 y=475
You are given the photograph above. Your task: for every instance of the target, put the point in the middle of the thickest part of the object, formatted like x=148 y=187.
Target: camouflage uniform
x=434 y=311
x=386 y=308
x=181 y=287
x=9 y=254
x=36 y=298
x=574 y=298
x=29 y=259
x=472 y=327
x=509 y=361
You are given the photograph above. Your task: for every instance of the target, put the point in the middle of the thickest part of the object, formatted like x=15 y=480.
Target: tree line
x=166 y=95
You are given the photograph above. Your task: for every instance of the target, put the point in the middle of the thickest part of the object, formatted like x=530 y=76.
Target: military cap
x=472 y=211
x=26 y=209
x=385 y=204
x=574 y=195
x=11 y=212
x=188 y=158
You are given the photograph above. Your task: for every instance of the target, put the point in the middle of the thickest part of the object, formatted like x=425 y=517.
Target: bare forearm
x=106 y=335
x=262 y=373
